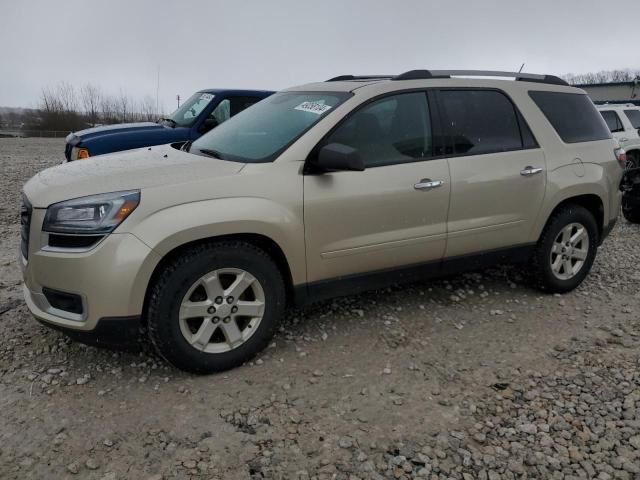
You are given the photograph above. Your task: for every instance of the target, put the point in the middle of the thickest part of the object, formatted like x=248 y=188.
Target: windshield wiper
x=170 y=120
x=187 y=146
x=211 y=153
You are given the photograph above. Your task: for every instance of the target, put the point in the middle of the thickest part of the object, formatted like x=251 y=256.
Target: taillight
x=621 y=156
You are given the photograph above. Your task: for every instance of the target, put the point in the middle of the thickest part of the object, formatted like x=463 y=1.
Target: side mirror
x=336 y=157
x=208 y=124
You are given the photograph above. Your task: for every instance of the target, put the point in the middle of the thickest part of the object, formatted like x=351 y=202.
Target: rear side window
x=613 y=121
x=634 y=117
x=482 y=121
x=572 y=115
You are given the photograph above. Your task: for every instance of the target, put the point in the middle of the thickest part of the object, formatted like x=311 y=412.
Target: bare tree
x=603 y=76
x=124 y=104
x=68 y=98
x=64 y=108
x=91 y=100
x=59 y=108
x=108 y=109
x=147 y=109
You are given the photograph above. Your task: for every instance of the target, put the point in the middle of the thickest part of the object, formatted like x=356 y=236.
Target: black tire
x=179 y=276
x=630 y=210
x=542 y=273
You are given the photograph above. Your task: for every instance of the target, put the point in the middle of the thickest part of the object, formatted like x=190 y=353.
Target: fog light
x=69 y=302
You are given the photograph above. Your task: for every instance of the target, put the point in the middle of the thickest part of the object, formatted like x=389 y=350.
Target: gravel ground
x=474 y=377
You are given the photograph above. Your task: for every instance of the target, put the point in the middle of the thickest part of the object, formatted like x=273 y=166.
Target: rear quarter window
x=634 y=117
x=572 y=115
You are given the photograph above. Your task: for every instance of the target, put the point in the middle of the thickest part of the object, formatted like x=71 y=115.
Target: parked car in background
x=320 y=190
x=630 y=187
x=623 y=121
x=203 y=111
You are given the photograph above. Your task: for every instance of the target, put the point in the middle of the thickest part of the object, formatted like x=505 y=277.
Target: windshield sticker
x=313 y=107
x=206 y=96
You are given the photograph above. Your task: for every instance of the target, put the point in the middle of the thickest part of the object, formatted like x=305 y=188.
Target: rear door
x=498 y=171
x=394 y=212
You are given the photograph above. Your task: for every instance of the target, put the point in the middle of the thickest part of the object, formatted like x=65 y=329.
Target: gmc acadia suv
x=320 y=190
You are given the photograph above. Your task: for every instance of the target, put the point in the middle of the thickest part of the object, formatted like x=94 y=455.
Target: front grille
x=25 y=227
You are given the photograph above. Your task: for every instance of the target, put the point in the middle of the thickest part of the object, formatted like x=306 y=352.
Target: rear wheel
x=566 y=250
x=216 y=306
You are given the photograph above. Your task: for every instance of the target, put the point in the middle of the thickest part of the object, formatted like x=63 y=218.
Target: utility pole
x=178 y=99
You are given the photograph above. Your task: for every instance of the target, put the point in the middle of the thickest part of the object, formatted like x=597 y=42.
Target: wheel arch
x=263 y=242
x=590 y=201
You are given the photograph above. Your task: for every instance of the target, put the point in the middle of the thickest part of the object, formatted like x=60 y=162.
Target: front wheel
x=566 y=250
x=216 y=306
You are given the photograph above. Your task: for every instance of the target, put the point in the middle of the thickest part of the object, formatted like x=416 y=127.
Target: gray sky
x=274 y=44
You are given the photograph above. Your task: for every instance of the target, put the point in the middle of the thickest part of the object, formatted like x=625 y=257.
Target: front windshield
x=191 y=109
x=262 y=132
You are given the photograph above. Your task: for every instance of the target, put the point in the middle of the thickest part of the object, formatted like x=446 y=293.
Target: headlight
x=79 y=153
x=96 y=214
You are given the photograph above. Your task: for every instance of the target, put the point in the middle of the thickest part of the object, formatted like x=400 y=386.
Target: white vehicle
x=624 y=122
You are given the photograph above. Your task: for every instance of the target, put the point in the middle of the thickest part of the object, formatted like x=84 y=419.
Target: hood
x=88 y=133
x=130 y=170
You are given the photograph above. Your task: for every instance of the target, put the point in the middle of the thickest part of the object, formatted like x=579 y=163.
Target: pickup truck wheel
x=216 y=306
x=566 y=250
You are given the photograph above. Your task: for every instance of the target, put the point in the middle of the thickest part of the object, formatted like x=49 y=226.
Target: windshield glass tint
x=634 y=117
x=191 y=109
x=262 y=132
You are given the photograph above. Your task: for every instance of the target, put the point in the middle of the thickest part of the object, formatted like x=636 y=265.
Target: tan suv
x=317 y=191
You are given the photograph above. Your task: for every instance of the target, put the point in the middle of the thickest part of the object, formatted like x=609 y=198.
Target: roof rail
x=524 y=77
x=341 y=78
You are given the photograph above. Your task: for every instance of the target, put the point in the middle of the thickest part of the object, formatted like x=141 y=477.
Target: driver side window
x=222 y=112
x=394 y=129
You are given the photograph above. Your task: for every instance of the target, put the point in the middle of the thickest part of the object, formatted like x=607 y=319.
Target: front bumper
x=118 y=332
x=110 y=279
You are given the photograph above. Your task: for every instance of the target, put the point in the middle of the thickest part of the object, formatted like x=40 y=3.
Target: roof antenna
x=521 y=67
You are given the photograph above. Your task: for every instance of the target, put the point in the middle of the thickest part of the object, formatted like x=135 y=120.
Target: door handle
x=428 y=184
x=624 y=139
x=530 y=171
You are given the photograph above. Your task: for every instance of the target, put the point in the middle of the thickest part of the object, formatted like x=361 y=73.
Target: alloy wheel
x=221 y=310
x=569 y=251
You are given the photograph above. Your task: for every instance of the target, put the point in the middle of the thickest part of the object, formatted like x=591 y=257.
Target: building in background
x=614 y=92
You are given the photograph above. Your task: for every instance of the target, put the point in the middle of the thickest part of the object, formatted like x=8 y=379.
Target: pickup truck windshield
x=262 y=132
x=191 y=109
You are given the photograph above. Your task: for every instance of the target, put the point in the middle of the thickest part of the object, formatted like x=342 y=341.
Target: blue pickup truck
x=203 y=111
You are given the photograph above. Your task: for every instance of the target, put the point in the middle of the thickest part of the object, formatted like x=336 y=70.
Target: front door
x=394 y=212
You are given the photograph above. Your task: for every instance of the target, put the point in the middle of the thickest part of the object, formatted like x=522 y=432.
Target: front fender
x=170 y=228
x=570 y=181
